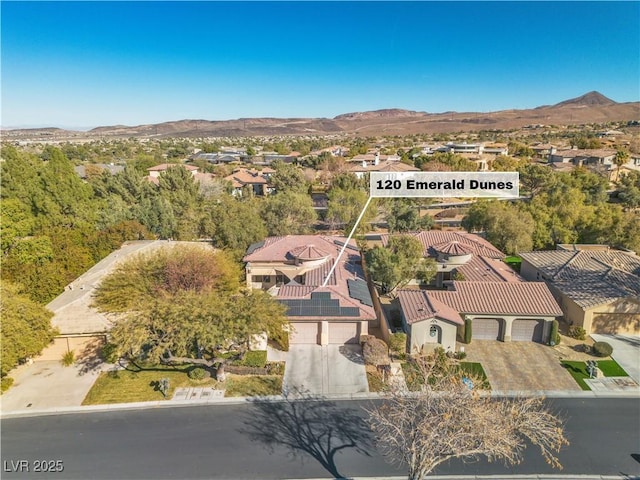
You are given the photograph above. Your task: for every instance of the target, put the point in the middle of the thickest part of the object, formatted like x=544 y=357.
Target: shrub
x=109 y=353
x=197 y=373
x=375 y=351
x=602 y=349
x=256 y=358
x=460 y=355
x=68 y=358
x=468 y=331
x=554 y=336
x=578 y=333
x=6 y=382
x=398 y=343
x=275 y=368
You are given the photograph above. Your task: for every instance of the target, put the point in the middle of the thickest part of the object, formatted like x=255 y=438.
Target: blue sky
x=78 y=64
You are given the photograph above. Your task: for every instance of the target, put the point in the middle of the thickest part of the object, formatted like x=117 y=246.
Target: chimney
x=376 y=158
x=364 y=164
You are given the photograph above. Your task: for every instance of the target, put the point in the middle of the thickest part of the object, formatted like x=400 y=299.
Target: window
x=266 y=279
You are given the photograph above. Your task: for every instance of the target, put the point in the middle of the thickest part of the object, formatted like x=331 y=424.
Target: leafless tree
x=448 y=420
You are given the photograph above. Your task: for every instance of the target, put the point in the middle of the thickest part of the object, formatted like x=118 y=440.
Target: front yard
x=578 y=370
x=141 y=384
x=415 y=379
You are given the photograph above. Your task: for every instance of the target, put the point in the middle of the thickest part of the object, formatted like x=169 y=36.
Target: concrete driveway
x=626 y=351
x=47 y=385
x=323 y=370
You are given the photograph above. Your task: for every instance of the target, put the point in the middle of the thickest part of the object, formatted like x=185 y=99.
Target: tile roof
x=475 y=243
x=386 y=166
x=417 y=307
x=589 y=277
x=245 y=177
x=284 y=250
x=500 y=298
x=164 y=166
x=484 y=269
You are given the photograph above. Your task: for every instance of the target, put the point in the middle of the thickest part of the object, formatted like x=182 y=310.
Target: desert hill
x=592 y=107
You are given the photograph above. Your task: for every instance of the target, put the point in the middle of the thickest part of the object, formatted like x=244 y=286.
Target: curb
x=279 y=398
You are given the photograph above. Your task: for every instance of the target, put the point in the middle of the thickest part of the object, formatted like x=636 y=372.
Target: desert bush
x=375 y=351
x=398 y=343
x=578 y=333
x=6 y=382
x=68 y=358
x=109 y=353
x=602 y=349
x=197 y=373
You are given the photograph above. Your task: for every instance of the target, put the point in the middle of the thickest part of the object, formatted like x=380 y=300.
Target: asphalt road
x=250 y=442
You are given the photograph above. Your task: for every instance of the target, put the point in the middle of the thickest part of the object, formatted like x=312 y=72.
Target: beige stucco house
x=598 y=288
x=506 y=311
x=294 y=268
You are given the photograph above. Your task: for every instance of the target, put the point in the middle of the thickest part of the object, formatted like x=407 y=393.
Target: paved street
x=247 y=442
x=326 y=369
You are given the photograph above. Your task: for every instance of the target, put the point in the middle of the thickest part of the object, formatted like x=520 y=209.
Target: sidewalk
x=218 y=400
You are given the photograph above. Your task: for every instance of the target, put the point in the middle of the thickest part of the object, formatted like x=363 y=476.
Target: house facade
x=505 y=311
x=295 y=268
x=598 y=288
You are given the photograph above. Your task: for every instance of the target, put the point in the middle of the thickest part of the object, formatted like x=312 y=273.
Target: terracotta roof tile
x=506 y=298
x=417 y=306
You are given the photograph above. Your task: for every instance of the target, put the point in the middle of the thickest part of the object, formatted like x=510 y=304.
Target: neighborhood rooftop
x=589 y=277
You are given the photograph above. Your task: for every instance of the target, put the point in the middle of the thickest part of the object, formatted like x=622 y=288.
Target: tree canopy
x=25 y=328
x=185 y=302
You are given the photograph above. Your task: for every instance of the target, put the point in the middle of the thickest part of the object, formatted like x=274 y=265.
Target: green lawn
x=140 y=385
x=514 y=262
x=578 y=370
x=252 y=385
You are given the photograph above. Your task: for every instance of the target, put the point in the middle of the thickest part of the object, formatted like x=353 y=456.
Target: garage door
x=616 y=323
x=304 y=333
x=486 y=329
x=343 y=333
x=527 y=330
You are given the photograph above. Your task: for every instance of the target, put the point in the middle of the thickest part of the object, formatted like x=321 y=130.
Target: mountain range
x=593 y=107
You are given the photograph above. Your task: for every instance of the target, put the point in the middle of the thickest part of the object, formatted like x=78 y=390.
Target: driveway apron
x=327 y=369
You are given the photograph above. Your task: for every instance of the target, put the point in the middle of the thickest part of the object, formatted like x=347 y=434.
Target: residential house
x=507 y=311
x=462 y=255
x=203 y=179
x=257 y=181
x=598 y=288
x=378 y=165
x=294 y=268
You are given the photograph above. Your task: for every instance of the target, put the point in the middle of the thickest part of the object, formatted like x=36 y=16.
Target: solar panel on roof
x=359 y=290
x=254 y=246
x=321 y=295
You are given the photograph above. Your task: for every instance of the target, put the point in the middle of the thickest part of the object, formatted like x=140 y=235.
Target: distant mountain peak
x=588 y=99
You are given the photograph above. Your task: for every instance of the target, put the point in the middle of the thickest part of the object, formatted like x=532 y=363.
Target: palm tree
x=622 y=156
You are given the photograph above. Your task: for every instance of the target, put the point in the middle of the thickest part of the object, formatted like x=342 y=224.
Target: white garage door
x=343 y=333
x=485 y=329
x=527 y=330
x=304 y=333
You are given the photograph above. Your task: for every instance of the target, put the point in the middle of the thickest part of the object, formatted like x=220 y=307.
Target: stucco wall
x=620 y=316
x=420 y=335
